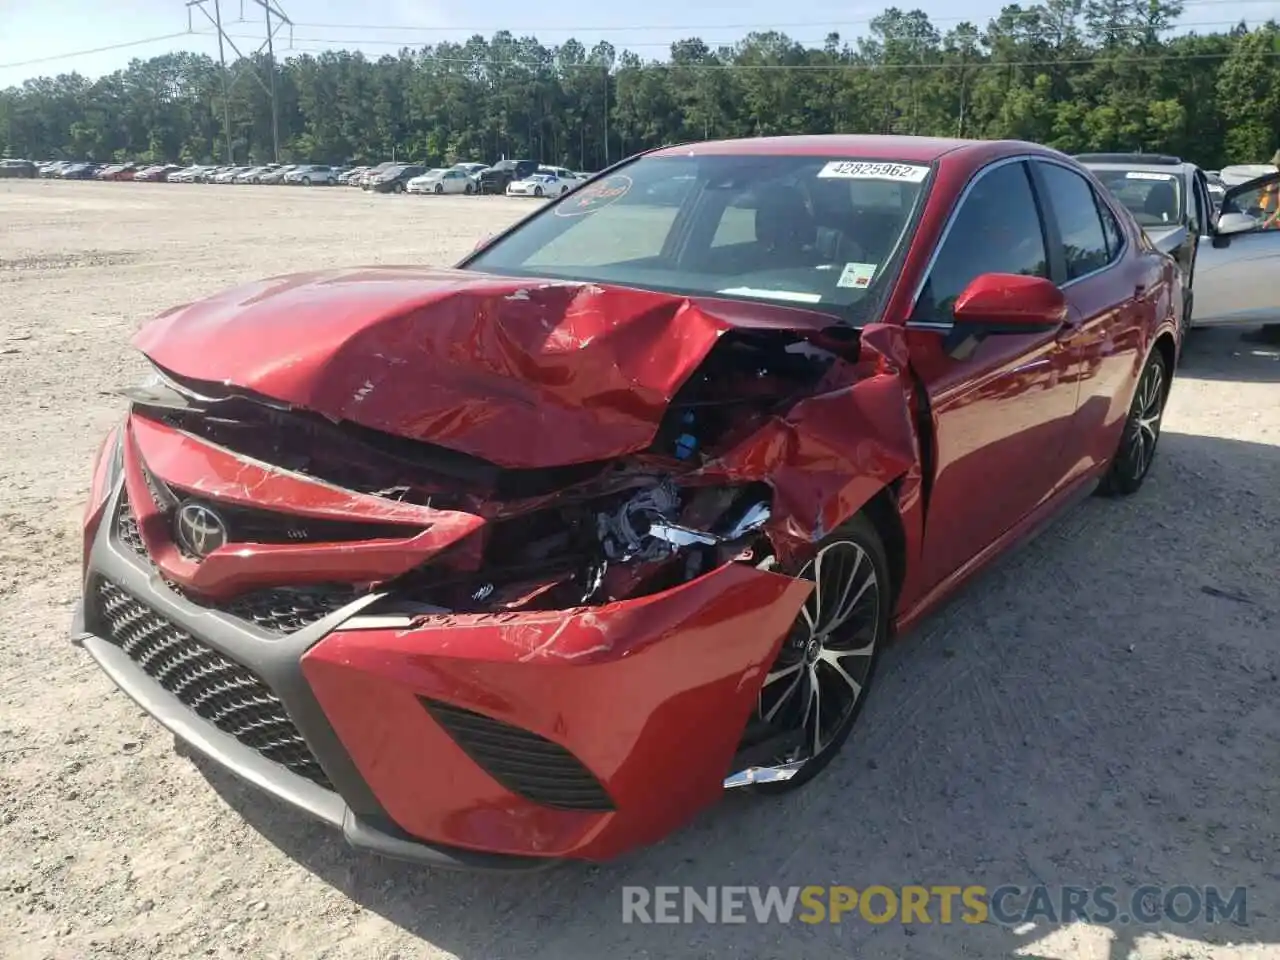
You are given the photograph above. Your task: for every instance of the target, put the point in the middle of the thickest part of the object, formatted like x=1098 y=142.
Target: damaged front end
x=509 y=539
x=418 y=565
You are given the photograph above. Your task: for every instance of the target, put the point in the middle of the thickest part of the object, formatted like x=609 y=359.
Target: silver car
x=1225 y=246
x=309 y=173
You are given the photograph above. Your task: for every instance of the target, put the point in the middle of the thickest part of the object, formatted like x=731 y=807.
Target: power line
x=968 y=65
x=683 y=28
x=712 y=44
x=388 y=28
x=85 y=53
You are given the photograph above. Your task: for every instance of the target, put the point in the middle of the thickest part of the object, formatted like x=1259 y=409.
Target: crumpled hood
x=523 y=373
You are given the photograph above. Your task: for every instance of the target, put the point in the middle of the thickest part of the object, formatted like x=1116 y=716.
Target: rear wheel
x=470 y=189
x=1137 y=450
x=397 y=188
x=306 y=181
x=818 y=685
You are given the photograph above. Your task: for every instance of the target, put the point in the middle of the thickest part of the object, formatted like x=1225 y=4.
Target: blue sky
x=39 y=30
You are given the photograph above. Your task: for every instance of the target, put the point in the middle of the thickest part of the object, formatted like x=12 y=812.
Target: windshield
x=1154 y=199
x=825 y=231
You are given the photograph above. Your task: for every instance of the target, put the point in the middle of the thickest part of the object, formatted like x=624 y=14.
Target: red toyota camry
x=534 y=558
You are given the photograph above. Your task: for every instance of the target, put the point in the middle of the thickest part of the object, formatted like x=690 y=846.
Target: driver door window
x=997 y=230
x=1259 y=199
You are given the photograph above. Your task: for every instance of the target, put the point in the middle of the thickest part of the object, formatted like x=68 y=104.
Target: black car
x=393 y=179
x=504 y=172
x=80 y=171
x=17 y=168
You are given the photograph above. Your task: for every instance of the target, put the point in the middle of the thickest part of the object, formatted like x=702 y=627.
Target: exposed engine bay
x=555 y=537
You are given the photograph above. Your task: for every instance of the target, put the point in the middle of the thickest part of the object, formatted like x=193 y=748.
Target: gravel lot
x=1102 y=708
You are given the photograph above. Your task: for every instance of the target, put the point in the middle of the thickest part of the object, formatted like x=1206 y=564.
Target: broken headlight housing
x=644 y=527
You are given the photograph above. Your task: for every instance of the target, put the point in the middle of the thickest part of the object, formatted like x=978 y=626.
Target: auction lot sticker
x=869 y=170
x=594 y=196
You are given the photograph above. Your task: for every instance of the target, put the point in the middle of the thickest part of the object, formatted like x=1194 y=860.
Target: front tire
x=470 y=189
x=306 y=181
x=439 y=189
x=818 y=685
x=537 y=192
x=1132 y=461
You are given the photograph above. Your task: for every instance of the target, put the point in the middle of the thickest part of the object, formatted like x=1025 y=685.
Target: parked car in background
x=158 y=173
x=18 y=169
x=1217 y=189
x=309 y=173
x=396 y=179
x=374 y=172
x=276 y=175
x=443 y=180
x=51 y=169
x=471 y=169
x=498 y=177
x=229 y=175
x=252 y=174
x=540 y=185
x=80 y=171
x=190 y=174
x=702 y=469
x=1169 y=198
x=563 y=173
x=349 y=176
x=1240 y=259
x=120 y=172
x=1225 y=250
x=1242 y=173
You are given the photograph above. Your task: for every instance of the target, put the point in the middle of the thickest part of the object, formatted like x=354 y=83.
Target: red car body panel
x=962 y=454
x=559 y=673
x=192 y=466
x=522 y=373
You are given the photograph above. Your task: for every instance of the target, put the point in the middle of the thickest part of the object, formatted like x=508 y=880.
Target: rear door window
x=1075 y=208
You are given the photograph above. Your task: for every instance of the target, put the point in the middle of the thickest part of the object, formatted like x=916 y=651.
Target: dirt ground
x=1102 y=708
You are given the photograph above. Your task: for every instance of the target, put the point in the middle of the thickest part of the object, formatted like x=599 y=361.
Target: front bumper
x=478 y=742
x=341 y=799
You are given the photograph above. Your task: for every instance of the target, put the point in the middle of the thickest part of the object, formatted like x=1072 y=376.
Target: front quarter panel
x=651 y=695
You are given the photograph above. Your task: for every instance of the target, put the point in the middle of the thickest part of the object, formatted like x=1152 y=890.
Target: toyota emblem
x=199 y=529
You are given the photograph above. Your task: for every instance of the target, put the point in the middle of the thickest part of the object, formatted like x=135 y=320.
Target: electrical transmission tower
x=275 y=20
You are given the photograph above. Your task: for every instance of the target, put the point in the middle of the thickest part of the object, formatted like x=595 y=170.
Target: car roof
x=861 y=146
x=1138 y=163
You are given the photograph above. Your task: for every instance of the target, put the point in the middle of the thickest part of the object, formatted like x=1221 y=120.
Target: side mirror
x=1233 y=223
x=1010 y=303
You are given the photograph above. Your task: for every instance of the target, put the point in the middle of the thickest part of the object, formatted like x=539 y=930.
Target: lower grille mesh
x=522 y=761
x=219 y=690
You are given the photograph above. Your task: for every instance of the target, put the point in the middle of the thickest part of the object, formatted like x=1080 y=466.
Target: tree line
x=1075 y=74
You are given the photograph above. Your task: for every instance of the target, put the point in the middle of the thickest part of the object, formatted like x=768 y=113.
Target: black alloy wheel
x=818 y=685
x=1132 y=461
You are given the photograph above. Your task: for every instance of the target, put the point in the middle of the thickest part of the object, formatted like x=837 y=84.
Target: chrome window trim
x=945 y=325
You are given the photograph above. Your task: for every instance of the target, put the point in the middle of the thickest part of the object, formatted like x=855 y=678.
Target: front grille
x=288 y=609
x=127 y=527
x=523 y=762
x=217 y=689
x=280 y=610
x=252 y=525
